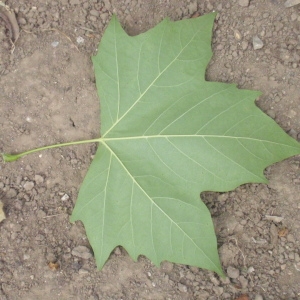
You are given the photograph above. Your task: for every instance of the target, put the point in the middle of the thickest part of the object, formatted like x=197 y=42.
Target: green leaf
x=168 y=135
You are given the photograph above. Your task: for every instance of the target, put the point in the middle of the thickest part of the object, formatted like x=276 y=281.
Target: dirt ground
x=48 y=95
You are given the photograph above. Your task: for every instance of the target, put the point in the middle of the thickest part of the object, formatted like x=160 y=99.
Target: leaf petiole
x=12 y=157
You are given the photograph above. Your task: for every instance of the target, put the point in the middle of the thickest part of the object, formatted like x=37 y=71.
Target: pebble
x=243 y=281
x=83 y=272
x=233 y=272
x=22 y=21
x=28 y=185
x=271 y=113
x=65 y=197
x=38 y=179
x=292 y=256
x=218 y=290
x=237 y=35
x=258 y=297
x=244 y=45
x=82 y=252
x=104 y=16
x=107 y=4
x=26 y=256
x=74 y=2
x=167 y=266
x=244 y=3
x=203 y=295
x=11 y=193
x=80 y=40
x=54 y=44
x=257 y=43
x=182 y=287
x=290 y=3
x=118 y=251
x=94 y=13
x=192 y=7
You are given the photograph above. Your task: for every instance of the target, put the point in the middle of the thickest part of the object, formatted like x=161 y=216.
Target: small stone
x=83 y=272
x=258 y=297
x=243 y=281
x=39 y=237
x=11 y=193
x=104 y=17
x=294 y=17
x=82 y=252
x=292 y=256
x=28 y=185
x=191 y=276
x=192 y=7
x=257 y=43
x=271 y=113
x=38 y=179
x=182 y=288
x=41 y=214
x=107 y=4
x=277 y=99
x=65 y=197
x=209 y=6
x=237 y=35
x=223 y=197
x=74 y=2
x=22 y=21
x=233 y=272
x=225 y=280
x=2 y=213
x=291 y=237
x=290 y=3
x=80 y=40
x=118 y=251
x=215 y=281
x=94 y=13
x=244 y=3
x=167 y=266
x=54 y=44
x=218 y=290
x=244 y=45
x=26 y=256
x=203 y=295
x=50 y=256
x=93 y=19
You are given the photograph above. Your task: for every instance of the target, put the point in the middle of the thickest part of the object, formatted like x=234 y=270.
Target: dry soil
x=48 y=95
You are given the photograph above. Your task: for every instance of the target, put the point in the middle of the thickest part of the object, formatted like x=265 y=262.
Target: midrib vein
x=157 y=206
x=146 y=137
x=150 y=85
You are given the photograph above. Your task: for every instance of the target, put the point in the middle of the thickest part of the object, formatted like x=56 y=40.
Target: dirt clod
x=82 y=252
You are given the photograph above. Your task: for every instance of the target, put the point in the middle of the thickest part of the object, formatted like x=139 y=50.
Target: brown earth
x=48 y=95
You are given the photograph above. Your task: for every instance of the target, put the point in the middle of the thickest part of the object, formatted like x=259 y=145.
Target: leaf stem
x=12 y=157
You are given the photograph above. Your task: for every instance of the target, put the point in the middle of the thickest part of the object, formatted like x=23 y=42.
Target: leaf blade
x=168 y=135
x=141 y=208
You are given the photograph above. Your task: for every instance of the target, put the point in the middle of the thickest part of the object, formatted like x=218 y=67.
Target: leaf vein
x=163 y=212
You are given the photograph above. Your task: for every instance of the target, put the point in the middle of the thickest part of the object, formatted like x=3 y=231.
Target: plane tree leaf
x=168 y=135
